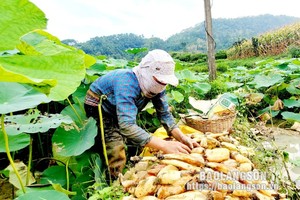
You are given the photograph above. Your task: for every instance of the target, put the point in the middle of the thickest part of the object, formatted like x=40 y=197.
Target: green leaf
x=79 y=95
x=33 y=189
x=16 y=142
x=291 y=103
x=68 y=111
x=47 y=63
x=4 y=173
x=177 y=96
x=82 y=163
x=98 y=68
x=34 y=122
x=83 y=183
x=283 y=66
x=291 y=116
x=189 y=76
x=277 y=88
x=266 y=81
x=294 y=86
x=151 y=111
x=39 y=42
x=116 y=63
x=54 y=174
x=42 y=85
x=17 y=97
x=268 y=110
x=136 y=50
x=44 y=194
x=233 y=84
x=17 y=18
x=178 y=66
x=66 y=69
x=69 y=141
x=59 y=188
x=156 y=121
x=202 y=88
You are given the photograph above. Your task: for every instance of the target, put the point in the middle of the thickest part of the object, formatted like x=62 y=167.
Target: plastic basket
x=219 y=125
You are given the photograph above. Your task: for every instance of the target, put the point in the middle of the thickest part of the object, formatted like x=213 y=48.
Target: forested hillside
x=226 y=33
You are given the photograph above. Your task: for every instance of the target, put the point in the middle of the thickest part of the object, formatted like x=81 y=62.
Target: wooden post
x=210 y=41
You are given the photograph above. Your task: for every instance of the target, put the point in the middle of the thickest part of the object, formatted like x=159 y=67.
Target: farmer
x=127 y=92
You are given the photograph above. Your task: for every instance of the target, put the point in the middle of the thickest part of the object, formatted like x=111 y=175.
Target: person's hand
x=171 y=146
x=179 y=136
x=191 y=143
x=176 y=147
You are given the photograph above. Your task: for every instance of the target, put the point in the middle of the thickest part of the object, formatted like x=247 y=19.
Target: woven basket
x=211 y=125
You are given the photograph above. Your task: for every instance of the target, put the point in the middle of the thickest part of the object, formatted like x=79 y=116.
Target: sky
x=85 y=19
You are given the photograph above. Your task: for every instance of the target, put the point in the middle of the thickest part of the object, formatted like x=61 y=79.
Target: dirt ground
x=6 y=192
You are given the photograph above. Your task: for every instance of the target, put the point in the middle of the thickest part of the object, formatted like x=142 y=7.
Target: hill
x=225 y=31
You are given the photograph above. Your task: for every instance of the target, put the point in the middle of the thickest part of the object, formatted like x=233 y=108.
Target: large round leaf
x=177 y=96
x=16 y=97
x=291 y=116
x=233 y=84
x=34 y=122
x=67 y=69
x=78 y=116
x=202 y=88
x=68 y=141
x=45 y=195
x=43 y=85
x=98 y=68
x=54 y=174
x=267 y=81
x=47 y=63
x=290 y=103
x=293 y=87
x=17 y=18
x=79 y=95
x=189 y=76
x=16 y=142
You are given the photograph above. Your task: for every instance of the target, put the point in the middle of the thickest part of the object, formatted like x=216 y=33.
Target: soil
x=286 y=139
x=7 y=190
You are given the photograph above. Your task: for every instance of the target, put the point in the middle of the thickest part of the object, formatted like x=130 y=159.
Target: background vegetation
x=226 y=32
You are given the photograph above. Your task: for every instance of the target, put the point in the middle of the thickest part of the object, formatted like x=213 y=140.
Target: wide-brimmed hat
x=161 y=65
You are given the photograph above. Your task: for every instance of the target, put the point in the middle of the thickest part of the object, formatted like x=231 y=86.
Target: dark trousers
x=114 y=141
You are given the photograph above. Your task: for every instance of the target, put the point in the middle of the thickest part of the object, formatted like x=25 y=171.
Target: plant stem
x=271 y=119
x=75 y=111
x=40 y=144
x=29 y=160
x=80 y=105
x=8 y=153
x=102 y=134
x=67 y=173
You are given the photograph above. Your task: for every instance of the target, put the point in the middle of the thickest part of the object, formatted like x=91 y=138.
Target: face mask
x=159 y=64
x=148 y=85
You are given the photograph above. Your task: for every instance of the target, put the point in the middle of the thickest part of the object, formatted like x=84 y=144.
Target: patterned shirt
x=125 y=100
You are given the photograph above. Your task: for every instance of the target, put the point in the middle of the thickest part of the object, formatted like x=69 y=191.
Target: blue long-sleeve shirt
x=125 y=100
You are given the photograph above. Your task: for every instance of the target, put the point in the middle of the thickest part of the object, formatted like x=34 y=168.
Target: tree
x=210 y=41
